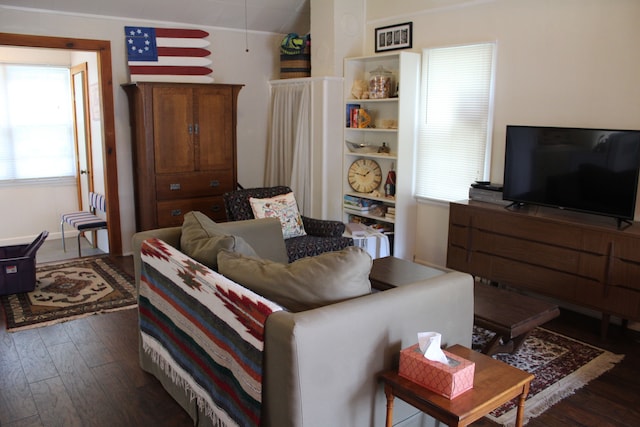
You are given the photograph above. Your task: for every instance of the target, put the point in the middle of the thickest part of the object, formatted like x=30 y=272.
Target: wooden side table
x=494 y=384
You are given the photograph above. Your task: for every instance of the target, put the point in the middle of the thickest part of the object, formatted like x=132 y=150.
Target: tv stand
x=514 y=205
x=623 y=223
x=577 y=258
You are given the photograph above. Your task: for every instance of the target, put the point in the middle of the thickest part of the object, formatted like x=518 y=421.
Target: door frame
x=102 y=48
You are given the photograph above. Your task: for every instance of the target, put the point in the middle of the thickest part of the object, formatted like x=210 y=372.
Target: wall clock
x=364 y=175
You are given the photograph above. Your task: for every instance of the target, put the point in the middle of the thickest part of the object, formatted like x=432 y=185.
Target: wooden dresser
x=184 y=149
x=581 y=259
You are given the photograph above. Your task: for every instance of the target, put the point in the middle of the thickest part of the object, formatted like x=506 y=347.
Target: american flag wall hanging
x=168 y=55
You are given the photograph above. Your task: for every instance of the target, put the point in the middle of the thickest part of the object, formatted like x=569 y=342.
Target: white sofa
x=321 y=365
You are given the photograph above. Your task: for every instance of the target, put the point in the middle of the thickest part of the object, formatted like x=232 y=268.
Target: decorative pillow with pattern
x=283 y=207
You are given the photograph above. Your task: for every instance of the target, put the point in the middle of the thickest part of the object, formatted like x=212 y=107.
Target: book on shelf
x=358 y=203
x=361 y=209
x=352 y=110
x=357 y=229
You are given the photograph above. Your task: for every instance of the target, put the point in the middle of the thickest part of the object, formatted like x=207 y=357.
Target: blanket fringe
x=177 y=377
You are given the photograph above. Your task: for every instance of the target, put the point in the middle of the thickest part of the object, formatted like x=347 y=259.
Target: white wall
x=27 y=206
x=559 y=63
x=231 y=64
x=337 y=32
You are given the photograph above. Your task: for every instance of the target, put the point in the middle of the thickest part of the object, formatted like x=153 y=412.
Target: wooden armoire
x=184 y=149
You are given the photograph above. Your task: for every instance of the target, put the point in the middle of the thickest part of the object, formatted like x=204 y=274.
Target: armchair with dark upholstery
x=322 y=235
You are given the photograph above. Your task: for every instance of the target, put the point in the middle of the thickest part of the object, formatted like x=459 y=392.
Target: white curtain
x=289 y=148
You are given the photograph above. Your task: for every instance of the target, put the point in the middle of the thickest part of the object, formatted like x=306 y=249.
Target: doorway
x=102 y=49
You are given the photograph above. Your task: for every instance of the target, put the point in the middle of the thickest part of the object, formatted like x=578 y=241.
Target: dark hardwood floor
x=85 y=373
x=81 y=373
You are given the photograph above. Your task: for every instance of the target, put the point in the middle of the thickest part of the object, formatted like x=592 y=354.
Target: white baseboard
x=28 y=239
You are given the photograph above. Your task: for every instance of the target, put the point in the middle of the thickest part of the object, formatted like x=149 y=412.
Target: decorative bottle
x=390 y=183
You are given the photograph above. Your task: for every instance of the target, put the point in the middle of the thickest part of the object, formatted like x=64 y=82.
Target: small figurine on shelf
x=390 y=183
x=384 y=149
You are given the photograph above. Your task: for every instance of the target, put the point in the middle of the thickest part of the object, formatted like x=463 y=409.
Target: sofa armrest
x=322 y=227
x=170 y=235
x=327 y=360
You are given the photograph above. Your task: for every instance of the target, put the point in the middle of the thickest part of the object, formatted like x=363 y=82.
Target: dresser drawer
x=171 y=213
x=197 y=184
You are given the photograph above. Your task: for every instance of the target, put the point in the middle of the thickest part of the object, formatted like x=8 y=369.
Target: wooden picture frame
x=392 y=37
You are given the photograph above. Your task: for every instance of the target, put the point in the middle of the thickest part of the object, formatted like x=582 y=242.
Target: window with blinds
x=36 y=123
x=456 y=107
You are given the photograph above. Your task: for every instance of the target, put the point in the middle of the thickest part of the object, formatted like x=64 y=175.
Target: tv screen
x=587 y=170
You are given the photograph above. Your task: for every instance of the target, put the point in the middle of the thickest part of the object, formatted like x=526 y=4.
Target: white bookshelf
x=401 y=108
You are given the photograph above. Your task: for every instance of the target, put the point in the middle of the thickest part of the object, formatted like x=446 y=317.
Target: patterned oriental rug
x=70 y=290
x=561 y=365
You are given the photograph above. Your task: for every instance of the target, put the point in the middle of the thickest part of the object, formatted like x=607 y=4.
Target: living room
x=569 y=63
x=556 y=63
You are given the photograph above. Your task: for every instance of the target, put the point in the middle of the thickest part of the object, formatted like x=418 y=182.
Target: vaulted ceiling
x=277 y=16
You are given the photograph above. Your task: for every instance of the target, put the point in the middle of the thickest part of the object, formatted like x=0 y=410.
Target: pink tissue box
x=448 y=381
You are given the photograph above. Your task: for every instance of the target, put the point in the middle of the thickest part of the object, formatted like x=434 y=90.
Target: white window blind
x=455 y=120
x=36 y=123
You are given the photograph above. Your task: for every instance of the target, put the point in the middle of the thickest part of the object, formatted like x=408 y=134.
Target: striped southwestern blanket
x=205 y=331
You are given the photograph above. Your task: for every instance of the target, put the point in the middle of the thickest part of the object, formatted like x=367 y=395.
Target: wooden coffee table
x=389 y=272
x=512 y=316
x=494 y=384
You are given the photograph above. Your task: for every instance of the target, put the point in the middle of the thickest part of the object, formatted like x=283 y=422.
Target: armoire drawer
x=171 y=213
x=196 y=184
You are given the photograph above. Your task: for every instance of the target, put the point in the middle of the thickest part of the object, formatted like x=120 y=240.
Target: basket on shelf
x=295 y=56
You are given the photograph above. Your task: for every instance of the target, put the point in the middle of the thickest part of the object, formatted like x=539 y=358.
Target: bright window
x=36 y=124
x=455 y=120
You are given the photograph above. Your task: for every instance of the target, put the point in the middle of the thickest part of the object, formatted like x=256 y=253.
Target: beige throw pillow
x=202 y=239
x=305 y=283
x=283 y=207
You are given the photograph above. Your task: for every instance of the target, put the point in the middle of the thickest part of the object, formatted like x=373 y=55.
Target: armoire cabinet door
x=215 y=143
x=173 y=129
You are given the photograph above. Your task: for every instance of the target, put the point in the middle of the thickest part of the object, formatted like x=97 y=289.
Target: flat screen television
x=586 y=170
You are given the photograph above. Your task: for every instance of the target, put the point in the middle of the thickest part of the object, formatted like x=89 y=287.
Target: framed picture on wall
x=392 y=37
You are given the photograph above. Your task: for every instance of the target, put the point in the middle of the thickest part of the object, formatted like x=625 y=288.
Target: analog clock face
x=365 y=175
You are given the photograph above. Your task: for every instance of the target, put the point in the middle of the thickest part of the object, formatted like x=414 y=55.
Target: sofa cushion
x=305 y=283
x=283 y=207
x=202 y=239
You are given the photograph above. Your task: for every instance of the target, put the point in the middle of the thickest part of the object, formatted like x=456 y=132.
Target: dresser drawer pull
x=214 y=183
x=176 y=212
x=215 y=208
x=174 y=187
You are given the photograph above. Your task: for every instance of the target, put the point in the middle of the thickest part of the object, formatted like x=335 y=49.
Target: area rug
x=70 y=290
x=561 y=366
